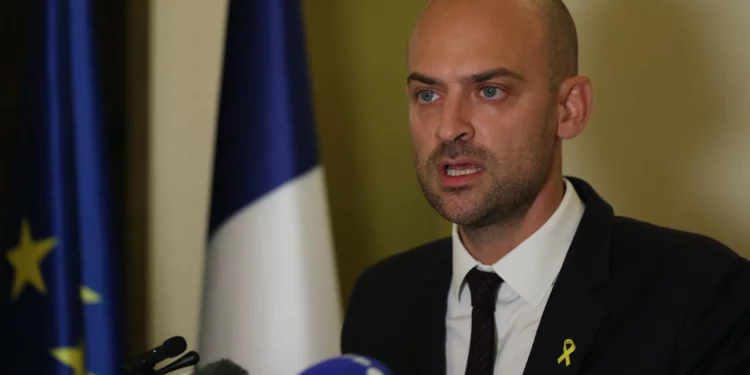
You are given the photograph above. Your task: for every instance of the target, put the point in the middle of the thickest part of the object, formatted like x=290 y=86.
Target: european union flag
x=59 y=296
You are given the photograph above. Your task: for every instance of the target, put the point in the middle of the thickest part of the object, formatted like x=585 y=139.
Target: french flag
x=271 y=299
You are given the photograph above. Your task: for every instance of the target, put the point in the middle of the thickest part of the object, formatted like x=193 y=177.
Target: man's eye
x=490 y=92
x=427 y=95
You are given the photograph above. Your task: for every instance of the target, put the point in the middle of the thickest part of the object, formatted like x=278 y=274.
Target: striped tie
x=483 y=287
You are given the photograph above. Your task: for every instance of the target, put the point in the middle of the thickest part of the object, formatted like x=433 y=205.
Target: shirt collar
x=532 y=267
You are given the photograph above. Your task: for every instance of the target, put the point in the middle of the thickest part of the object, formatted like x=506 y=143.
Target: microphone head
x=171 y=347
x=221 y=367
x=174 y=346
x=189 y=359
x=348 y=364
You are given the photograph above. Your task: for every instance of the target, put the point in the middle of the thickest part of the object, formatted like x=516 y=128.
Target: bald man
x=539 y=276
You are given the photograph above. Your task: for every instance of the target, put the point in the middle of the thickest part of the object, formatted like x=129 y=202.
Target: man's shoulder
x=658 y=246
x=416 y=256
x=409 y=264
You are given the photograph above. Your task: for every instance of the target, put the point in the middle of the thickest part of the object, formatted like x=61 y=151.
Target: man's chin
x=466 y=219
x=456 y=204
x=460 y=211
x=459 y=197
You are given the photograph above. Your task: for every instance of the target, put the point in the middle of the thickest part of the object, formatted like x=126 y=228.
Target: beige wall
x=184 y=64
x=667 y=142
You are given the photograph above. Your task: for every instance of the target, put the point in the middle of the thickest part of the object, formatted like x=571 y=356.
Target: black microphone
x=144 y=363
x=189 y=359
x=222 y=367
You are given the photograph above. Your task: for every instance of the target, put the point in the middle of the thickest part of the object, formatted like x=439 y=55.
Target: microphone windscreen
x=174 y=346
x=222 y=367
x=348 y=364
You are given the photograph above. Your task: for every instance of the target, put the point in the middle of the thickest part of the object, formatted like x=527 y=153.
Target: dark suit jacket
x=635 y=298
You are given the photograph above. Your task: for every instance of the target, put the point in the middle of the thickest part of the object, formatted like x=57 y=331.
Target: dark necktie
x=483 y=287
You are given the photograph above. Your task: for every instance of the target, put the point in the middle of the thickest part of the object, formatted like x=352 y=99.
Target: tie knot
x=483 y=287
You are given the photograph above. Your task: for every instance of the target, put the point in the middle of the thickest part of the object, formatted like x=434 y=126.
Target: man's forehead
x=479 y=31
x=454 y=57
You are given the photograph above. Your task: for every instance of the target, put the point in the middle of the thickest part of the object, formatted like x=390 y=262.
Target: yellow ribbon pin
x=568 y=348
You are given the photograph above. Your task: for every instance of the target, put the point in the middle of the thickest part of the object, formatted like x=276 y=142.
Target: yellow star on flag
x=71 y=357
x=89 y=296
x=26 y=259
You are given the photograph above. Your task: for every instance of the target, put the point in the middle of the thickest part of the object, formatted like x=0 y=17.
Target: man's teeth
x=461 y=172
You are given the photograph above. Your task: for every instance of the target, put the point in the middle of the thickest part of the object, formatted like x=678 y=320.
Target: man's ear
x=575 y=103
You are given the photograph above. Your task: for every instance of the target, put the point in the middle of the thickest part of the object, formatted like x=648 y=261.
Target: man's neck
x=489 y=244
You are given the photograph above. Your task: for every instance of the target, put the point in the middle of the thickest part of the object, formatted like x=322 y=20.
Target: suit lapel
x=430 y=306
x=565 y=334
x=573 y=312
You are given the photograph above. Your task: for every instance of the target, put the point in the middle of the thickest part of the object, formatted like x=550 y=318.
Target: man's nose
x=455 y=124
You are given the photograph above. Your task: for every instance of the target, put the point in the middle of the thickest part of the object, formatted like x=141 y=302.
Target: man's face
x=482 y=116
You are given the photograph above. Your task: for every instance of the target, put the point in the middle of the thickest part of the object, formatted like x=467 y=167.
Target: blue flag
x=59 y=293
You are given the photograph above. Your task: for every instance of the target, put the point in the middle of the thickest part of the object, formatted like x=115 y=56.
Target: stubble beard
x=514 y=184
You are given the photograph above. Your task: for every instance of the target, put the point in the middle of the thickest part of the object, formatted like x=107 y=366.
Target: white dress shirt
x=528 y=272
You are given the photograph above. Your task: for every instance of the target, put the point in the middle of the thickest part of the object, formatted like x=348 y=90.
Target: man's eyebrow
x=494 y=73
x=474 y=78
x=415 y=76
